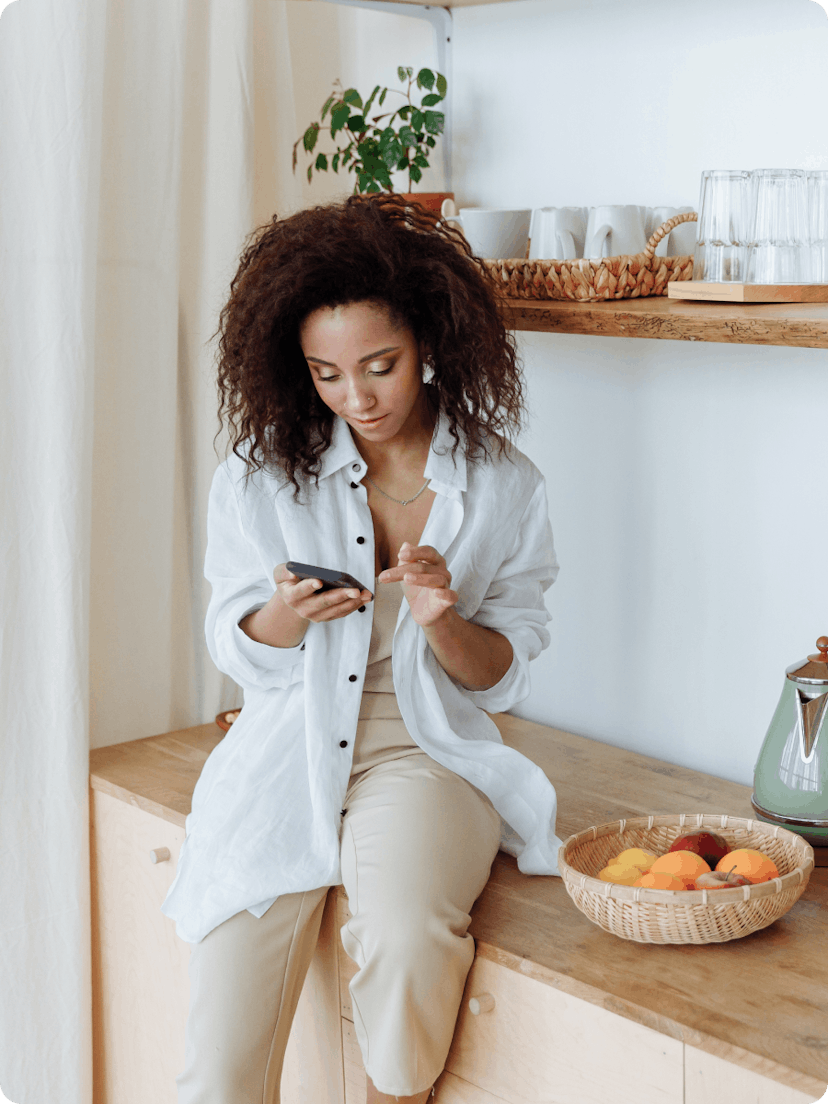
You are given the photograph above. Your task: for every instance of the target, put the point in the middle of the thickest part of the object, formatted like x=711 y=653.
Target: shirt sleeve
x=240 y=585
x=514 y=604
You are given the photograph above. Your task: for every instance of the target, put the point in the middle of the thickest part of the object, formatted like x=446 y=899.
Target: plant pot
x=432 y=201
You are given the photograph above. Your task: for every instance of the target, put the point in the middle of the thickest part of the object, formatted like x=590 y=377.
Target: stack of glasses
x=768 y=226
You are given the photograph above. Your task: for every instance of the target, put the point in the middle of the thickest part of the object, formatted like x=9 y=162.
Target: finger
x=424 y=552
x=338 y=609
x=282 y=575
x=426 y=579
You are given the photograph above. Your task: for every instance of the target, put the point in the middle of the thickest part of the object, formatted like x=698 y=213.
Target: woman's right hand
x=304 y=597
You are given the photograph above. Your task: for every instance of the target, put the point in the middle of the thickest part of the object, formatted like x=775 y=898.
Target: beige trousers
x=417 y=845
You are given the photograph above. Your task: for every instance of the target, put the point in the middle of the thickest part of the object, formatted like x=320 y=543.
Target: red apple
x=720 y=879
x=711 y=846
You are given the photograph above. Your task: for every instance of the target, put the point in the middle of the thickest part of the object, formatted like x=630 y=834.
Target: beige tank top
x=388 y=598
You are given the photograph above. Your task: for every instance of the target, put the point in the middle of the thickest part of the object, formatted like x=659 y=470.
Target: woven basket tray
x=587 y=280
x=683 y=916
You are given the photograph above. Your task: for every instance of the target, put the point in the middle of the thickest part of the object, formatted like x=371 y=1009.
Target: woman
x=367 y=380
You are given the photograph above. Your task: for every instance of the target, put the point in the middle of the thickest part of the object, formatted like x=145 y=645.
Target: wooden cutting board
x=747 y=293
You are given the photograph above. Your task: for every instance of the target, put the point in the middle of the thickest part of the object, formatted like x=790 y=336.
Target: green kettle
x=791 y=773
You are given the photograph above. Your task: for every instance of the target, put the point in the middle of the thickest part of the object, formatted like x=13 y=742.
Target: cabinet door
x=139 y=965
x=710 y=1078
x=532 y=1044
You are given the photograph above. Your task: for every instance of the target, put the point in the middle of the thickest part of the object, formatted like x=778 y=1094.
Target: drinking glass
x=779 y=250
x=723 y=226
x=818 y=222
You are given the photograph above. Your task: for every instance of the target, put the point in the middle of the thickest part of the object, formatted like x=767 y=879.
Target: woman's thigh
x=416 y=834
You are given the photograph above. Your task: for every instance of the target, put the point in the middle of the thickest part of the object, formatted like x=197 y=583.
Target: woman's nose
x=358 y=398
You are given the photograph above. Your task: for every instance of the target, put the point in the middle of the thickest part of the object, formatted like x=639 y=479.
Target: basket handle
x=664 y=230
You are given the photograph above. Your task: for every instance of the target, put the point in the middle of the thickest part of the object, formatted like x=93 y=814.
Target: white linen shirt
x=266 y=811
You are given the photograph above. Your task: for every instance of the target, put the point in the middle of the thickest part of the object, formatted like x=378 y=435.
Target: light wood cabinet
x=139 y=982
x=570 y=1015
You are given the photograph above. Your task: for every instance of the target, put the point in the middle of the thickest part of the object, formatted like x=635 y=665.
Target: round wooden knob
x=483 y=1002
x=160 y=854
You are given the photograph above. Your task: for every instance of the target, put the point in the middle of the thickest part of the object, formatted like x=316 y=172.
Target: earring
x=428 y=371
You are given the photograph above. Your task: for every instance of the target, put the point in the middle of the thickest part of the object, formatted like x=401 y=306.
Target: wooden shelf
x=800 y=324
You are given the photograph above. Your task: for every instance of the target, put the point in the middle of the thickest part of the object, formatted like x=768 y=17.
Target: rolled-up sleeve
x=240 y=586
x=514 y=604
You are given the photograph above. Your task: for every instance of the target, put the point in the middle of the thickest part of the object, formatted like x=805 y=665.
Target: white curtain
x=140 y=142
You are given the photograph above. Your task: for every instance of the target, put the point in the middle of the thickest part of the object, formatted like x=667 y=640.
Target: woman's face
x=366 y=367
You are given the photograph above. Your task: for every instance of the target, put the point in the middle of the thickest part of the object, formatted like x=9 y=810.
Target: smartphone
x=329 y=579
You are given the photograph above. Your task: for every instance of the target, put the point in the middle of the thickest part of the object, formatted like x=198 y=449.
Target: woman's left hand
x=426 y=582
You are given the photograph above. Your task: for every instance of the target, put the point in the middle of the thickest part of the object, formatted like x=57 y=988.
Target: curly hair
x=380 y=249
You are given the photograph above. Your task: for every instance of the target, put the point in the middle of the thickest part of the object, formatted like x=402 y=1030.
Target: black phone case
x=330 y=580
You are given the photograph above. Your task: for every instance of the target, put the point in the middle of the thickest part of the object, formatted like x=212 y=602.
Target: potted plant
x=372 y=147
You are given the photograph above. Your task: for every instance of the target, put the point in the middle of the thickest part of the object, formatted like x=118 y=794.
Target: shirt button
x=360 y=540
x=354 y=485
x=343 y=743
x=352 y=678
x=355 y=467
x=361 y=609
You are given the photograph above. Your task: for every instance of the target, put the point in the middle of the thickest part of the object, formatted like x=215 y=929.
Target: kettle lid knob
x=822 y=655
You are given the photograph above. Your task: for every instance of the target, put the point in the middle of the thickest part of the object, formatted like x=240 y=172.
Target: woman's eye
x=326 y=379
x=381 y=371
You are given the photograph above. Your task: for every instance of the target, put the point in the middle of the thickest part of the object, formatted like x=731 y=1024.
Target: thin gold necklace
x=400 y=501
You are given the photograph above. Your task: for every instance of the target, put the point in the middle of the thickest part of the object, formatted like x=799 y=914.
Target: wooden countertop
x=802 y=324
x=760 y=1002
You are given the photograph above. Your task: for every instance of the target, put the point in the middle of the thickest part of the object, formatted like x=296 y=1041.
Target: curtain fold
x=139 y=145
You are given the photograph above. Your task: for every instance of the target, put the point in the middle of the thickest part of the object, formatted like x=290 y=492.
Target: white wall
x=689 y=514
x=685 y=479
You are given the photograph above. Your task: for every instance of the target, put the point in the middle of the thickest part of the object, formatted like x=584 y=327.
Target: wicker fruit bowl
x=683 y=916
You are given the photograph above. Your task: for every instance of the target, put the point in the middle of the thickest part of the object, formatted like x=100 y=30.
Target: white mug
x=681 y=241
x=557 y=233
x=493 y=233
x=612 y=231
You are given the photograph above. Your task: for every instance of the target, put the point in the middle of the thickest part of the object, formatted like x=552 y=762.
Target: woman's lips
x=369 y=421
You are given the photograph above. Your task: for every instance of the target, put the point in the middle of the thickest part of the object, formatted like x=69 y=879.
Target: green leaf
x=434 y=121
x=328 y=103
x=339 y=116
x=431 y=99
x=420 y=160
x=369 y=101
x=415 y=174
x=383 y=94
x=430 y=142
x=404 y=112
x=401 y=72
x=373 y=187
x=310 y=170
x=363 y=180
x=321 y=162
x=310 y=136
x=357 y=123
x=351 y=96
x=347 y=155
x=403 y=165
x=408 y=137
x=442 y=84
x=425 y=79
x=417 y=120
x=384 y=177
x=409 y=72
x=335 y=162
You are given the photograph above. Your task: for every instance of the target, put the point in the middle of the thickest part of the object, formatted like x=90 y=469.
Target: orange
x=619 y=875
x=635 y=857
x=751 y=864
x=659 y=879
x=686 y=865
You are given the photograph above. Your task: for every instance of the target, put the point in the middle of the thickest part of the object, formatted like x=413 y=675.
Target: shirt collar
x=446 y=473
